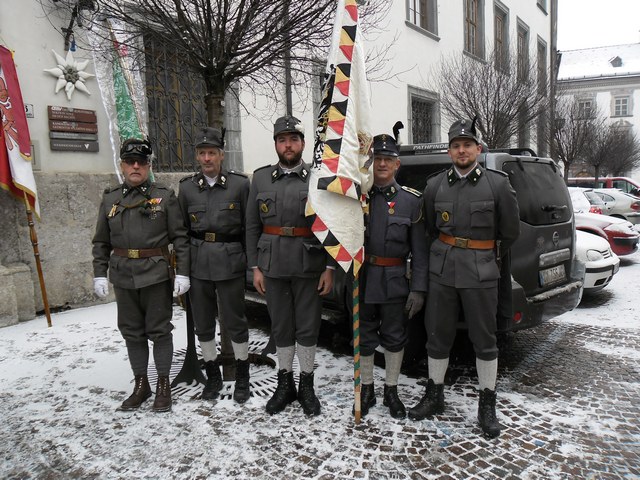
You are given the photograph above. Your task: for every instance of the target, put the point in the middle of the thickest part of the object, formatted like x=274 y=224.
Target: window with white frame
x=474 y=27
x=422 y=13
x=500 y=38
x=621 y=106
x=585 y=108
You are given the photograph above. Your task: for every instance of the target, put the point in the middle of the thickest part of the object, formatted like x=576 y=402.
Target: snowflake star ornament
x=70 y=74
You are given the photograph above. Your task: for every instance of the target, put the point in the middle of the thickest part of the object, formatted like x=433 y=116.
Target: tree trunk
x=215 y=109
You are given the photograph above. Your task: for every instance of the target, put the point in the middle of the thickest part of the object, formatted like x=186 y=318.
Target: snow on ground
x=60 y=387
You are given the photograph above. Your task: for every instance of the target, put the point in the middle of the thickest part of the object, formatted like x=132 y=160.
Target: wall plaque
x=72 y=114
x=73 y=145
x=78 y=127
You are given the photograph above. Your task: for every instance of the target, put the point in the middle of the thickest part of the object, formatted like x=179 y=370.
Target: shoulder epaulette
x=262 y=168
x=188 y=177
x=504 y=174
x=240 y=174
x=112 y=189
x=160 y=185
x=412 y=191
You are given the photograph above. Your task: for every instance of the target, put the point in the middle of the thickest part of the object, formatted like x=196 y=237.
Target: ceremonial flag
x=16 y=174
x=341 y=175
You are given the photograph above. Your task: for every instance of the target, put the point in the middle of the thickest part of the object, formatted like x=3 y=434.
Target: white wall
x=32 y=37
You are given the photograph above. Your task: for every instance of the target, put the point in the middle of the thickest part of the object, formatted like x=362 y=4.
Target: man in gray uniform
x=136 y=223
x=214 y=203
x=394 y=231
x=289 y=264
x=472 y=219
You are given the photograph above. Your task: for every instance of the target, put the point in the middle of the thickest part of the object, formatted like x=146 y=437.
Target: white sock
x=487 y=373
x=285 y=357
x=366 y=369
x=209 y=350
x=438 y=369
x=393 y=362
x=240 y=350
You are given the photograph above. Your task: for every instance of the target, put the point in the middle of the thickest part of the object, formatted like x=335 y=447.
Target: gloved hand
x=414 y=304
x=101 y=286
x=181 y=285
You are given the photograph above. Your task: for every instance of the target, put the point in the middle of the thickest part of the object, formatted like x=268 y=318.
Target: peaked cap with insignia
x=210 y=137
x=288 y=124
x=388 y=145
x=464 y=128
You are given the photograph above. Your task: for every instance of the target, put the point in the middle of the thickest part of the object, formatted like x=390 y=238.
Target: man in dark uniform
x=471 y=216
x=394 y=231
x=136 y=223
x=289 y=264
x=214 y=202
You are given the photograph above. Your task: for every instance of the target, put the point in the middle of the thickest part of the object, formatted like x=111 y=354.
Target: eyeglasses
x=142 y=161
x=137 y=148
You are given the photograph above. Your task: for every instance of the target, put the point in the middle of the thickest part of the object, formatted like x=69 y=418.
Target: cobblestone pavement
x=568 y=399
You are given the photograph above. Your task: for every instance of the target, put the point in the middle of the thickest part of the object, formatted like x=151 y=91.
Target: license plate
x=552 y=275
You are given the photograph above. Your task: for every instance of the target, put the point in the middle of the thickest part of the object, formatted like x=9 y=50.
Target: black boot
x=285 y=393
x=214 y=381
x=487 y=414
x=306 y=395
x=162 y=402
x=391 y=400
x=241 y=392
x=367 y=398
x=430 y=404
x=141 y=392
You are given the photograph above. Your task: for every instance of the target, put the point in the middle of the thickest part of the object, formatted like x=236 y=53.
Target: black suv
x=546 y=279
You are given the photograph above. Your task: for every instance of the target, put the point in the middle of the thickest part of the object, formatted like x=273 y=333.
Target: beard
x=291 y=162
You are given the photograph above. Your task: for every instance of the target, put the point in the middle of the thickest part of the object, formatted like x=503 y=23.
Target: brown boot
x=141 y=392
x=162 y=402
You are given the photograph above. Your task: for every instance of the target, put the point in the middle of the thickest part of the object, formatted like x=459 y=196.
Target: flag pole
x=36 y=254
x=356 y=348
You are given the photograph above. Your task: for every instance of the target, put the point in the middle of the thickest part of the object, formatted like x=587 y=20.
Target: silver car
x=620 y=204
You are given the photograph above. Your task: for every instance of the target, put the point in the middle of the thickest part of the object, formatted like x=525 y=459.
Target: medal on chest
x=391 y=209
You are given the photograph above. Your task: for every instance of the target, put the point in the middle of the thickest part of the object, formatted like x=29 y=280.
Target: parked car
x=621 y=234
x=627 y=185
x=585 y=200
x=601 y=264
x=620 y=204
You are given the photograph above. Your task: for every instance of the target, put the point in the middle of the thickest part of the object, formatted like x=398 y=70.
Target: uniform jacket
x=395 y=228
x=220 y=209
x=278 y=199
x=147 y=216
x=481 y=207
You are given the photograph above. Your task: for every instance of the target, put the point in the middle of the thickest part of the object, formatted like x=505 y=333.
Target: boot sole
x=123 y=408
x=161 y=410
x=422 y=417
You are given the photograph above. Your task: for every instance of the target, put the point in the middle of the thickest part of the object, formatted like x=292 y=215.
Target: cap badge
x=445 y=216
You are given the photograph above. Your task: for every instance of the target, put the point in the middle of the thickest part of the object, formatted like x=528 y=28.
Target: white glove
x=181 y=285
x=414 y=304
x=101 y=286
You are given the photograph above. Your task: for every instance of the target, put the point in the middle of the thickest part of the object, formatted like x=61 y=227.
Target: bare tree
x=574 y=130
x=613 y=151
x=228 y=42
x=506 y=96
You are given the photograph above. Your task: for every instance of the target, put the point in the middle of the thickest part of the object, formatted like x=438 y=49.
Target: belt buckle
x=209 y=237
x=133 y=253
x=373 y=259
x=287 y=231
x=461 y=242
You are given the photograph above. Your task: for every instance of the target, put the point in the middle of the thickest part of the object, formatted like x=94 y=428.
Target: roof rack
x=523 y=151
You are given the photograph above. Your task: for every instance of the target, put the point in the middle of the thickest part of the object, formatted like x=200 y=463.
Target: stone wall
x=68 y=206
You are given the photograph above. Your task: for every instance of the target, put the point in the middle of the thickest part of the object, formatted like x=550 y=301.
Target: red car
x=620 y=233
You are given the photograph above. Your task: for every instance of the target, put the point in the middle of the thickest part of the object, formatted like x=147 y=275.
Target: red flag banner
x=341 y=168
x=16 y=174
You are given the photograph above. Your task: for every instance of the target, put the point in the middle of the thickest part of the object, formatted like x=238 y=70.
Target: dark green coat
x=147 y=216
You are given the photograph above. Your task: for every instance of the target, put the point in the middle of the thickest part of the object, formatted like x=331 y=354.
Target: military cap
x=288 y=124
x=135 y=148
x=209 y=137
x=385 y=145
x=464 y=128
